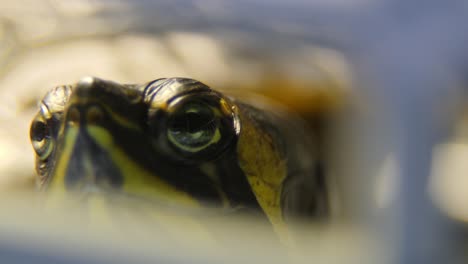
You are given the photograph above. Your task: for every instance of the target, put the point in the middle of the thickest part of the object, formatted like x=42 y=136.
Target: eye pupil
x=38 y=131
x=190 y=122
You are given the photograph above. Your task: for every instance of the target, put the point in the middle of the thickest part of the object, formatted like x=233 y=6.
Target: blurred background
x=383 y=83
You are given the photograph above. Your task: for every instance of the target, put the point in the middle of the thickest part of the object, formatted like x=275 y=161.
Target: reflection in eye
x=193 y=127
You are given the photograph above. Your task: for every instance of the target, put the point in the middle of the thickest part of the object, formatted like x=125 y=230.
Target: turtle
x=177 y=142
x=282 y=82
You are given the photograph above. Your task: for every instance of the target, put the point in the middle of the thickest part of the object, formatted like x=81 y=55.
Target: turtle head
x=159 y=142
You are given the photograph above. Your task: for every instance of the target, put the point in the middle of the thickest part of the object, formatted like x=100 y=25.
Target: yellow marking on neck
x=265 y=170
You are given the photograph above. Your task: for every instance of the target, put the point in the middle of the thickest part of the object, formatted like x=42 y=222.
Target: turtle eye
x=40 y=138
x=193 y=127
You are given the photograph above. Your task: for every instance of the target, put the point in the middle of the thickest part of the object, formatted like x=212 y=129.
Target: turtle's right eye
x=194 y=127
x=41 y=139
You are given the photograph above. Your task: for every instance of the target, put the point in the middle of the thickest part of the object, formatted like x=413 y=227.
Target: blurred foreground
x=71 y=234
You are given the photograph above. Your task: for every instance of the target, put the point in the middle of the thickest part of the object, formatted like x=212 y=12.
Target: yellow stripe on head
x=57 y=190
x=137 y=180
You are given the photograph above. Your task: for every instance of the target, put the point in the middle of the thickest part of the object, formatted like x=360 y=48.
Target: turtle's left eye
x=40 y=138
x=193 y=127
